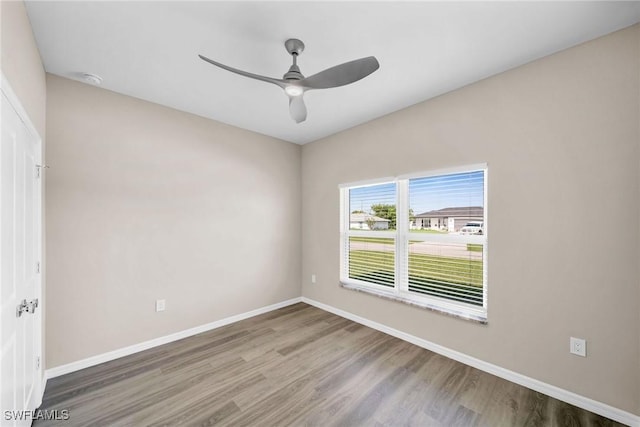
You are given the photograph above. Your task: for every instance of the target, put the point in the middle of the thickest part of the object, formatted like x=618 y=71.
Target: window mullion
x=402 y=229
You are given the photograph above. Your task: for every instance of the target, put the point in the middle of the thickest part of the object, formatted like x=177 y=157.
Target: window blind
x=372 y=240
x=423 y=238
x=446 y=236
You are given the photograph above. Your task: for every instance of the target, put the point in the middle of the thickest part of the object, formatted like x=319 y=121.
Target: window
x=420 y=239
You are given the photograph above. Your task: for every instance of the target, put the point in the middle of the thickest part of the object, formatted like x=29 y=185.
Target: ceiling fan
x=295 y=84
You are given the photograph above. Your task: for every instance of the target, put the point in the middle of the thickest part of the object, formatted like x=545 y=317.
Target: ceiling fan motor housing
x=293 y=73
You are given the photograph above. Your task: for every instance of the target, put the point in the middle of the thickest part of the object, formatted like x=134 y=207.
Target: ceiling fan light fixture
x=292 y=90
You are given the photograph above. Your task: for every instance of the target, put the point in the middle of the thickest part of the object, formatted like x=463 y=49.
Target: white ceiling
x=149 y=50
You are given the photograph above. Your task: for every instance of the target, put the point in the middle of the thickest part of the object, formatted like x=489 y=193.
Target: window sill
x=424 y=305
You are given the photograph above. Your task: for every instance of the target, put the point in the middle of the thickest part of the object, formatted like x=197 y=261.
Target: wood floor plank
x=298 y=366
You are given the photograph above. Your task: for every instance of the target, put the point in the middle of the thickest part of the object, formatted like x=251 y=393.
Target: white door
x=20 y=249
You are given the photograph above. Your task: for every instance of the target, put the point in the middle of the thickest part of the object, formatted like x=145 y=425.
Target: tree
x=385 y=211
x=389 y=212
x=357 y=211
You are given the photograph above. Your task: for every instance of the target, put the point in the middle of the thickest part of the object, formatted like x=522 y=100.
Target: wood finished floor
x=298 y=366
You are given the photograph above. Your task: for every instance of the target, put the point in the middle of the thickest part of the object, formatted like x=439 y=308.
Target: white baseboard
x=539 y=386
x=115 y=354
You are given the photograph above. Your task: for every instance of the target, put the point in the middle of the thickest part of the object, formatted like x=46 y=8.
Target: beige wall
x=561 y=138
x=20 y=61
x=145 y=202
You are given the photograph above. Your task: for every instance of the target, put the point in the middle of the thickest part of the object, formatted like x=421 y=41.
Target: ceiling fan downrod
x=295 y=47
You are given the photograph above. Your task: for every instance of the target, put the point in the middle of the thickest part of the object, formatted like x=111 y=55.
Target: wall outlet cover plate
x=578 y=346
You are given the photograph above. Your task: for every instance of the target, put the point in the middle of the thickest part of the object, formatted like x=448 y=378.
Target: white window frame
x=402 y=235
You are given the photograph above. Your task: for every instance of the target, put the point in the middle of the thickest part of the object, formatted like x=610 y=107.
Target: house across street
x=449 y=219
x=364 y=221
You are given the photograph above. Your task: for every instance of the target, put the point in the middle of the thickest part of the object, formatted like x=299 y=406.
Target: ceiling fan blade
x=297 y=109
x=278 y=82
x=342 y=74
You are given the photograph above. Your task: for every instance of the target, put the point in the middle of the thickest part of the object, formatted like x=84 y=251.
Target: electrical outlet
x=578 y=346
x=313 y=278
x=160 y=304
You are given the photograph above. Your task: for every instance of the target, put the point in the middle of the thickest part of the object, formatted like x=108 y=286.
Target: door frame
x=14 y=100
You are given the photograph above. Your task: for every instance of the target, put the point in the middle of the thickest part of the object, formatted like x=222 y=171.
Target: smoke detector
x=90 y=78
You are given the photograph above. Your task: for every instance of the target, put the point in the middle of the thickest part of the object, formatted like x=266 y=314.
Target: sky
x=425 y=194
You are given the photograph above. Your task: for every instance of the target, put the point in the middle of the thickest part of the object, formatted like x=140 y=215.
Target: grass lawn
x=473 y=247
x=372 y=266
x=385 y=240
x=454 y=278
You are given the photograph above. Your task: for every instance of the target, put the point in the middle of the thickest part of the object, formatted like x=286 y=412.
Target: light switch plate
x=160 y=304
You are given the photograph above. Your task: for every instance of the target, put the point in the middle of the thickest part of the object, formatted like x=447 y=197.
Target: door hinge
x=38 y=267
x=38 y=362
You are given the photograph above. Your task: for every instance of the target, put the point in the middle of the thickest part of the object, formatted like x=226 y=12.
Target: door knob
x=32 y=305
x=28 y=307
